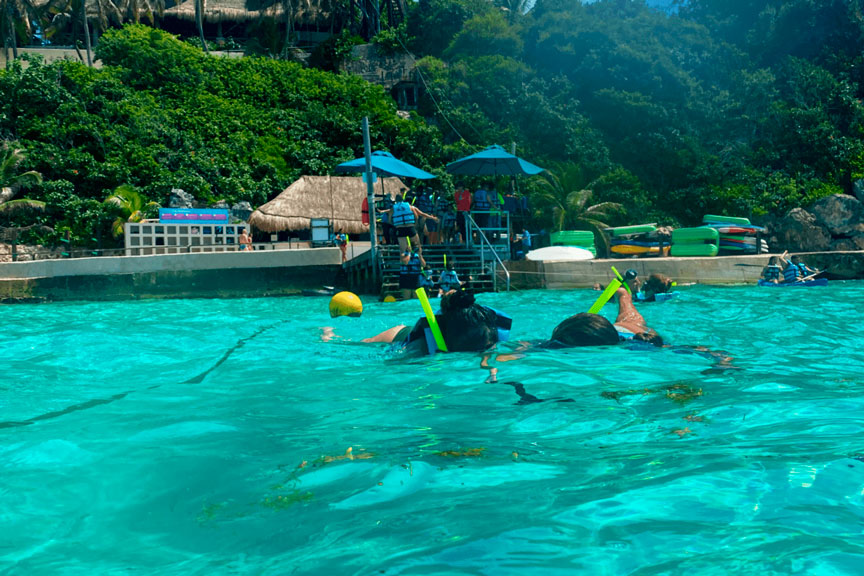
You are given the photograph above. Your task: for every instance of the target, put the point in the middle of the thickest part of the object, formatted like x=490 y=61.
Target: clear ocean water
x=212 y=437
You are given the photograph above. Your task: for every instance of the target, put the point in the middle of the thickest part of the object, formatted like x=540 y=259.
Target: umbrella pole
x=370 y=195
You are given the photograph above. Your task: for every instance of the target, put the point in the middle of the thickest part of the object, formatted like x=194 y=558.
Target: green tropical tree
x=564 y=199
x=130 y=206
x=11 y=181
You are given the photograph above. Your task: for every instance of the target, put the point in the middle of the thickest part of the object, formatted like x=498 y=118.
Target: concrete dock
x=202 y=275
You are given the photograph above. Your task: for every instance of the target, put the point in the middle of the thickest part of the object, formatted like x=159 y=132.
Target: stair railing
x=471 y=227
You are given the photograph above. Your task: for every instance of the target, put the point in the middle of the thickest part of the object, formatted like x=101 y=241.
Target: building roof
x=337 y=198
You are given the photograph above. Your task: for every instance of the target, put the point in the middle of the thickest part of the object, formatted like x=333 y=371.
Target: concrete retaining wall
x=717 y=270
x=230 y=274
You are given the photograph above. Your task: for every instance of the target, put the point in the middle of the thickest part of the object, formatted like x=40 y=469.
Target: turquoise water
x=210 y=437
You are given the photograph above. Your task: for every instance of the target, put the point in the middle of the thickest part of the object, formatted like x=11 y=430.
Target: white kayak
x=559 y=254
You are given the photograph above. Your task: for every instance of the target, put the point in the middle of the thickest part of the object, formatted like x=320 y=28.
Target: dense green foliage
x=161 y=114
x=743 y=107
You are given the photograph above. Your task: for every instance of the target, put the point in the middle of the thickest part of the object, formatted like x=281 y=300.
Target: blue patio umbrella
x=385 y=164
x=493 y=161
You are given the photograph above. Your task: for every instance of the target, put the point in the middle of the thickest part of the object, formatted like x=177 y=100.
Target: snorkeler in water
x=465 y=327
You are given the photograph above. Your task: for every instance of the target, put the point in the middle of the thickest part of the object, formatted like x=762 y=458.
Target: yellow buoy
x=346 y=304
x=389 y=298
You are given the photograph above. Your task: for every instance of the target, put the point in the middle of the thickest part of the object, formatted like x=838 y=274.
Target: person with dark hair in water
x=465 y=325
x=587 y=329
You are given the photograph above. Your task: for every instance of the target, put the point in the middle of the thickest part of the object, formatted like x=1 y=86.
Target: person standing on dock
x=463 y=206
x=404 y=215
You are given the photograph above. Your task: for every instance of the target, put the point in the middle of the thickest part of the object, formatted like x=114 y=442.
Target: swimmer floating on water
x=465 y=326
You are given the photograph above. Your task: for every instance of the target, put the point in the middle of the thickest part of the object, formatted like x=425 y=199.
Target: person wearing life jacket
x=341 y=240
x=480 y=207
x=411 y=266
x=465 y=326
x=448 y=280
x=382 y=210
x=803 y=270
x=403 y=216
x=791 y=272
x=772 y=272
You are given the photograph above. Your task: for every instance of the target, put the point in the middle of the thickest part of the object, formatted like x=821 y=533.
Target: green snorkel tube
x=616 y=283
x=430 y=317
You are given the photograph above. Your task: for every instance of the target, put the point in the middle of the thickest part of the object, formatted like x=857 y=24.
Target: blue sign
x=193 y=216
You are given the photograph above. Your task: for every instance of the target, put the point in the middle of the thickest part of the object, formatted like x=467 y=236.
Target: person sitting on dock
x=772 y=271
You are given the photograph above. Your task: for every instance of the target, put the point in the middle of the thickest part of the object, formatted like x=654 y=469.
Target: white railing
x=471 y=227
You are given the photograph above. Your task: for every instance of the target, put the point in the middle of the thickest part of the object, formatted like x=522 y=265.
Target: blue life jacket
x=772 y=272
x=402 y=214
x=790 y=273
x=442 y=205
x=803 y=268
x=423 y=281
x=413 y=265
x=449 y=279
x=424 y=203
x=481 y=200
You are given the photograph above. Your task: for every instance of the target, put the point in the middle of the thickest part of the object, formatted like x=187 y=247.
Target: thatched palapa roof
x=337 y=198
x=308 y=12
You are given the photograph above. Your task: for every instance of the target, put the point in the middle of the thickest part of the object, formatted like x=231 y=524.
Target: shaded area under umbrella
x=384 y=164
x=493 y=161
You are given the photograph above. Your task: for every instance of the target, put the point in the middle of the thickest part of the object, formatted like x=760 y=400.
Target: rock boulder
x=179 y=198
x=798 y=231
x=841 y=214
x=241 y=211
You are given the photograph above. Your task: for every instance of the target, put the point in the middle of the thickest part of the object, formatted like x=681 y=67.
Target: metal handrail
x=469 y=230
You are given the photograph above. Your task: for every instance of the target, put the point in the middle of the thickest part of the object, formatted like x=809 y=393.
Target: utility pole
x=369 y=177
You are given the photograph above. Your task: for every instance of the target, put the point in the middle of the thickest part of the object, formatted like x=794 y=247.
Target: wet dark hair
x=583 y=329
x=657 y=283
x=465 y=325
x=399 y=197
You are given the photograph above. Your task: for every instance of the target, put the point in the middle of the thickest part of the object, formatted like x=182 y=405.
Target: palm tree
x=199 y=22
x=70 y=14
x=131 y=10
x=10 y=180
x=19 y=20
x=566 y=197
x=130 y=206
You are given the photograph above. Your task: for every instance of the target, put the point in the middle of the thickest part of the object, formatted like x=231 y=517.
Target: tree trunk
x=87 y=45
x=199 y=22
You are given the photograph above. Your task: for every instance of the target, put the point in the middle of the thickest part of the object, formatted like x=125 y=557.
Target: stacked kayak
x=577 y=238
x=695 y=242
x=637 y=241
x=737 y=235
x=807 y=284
